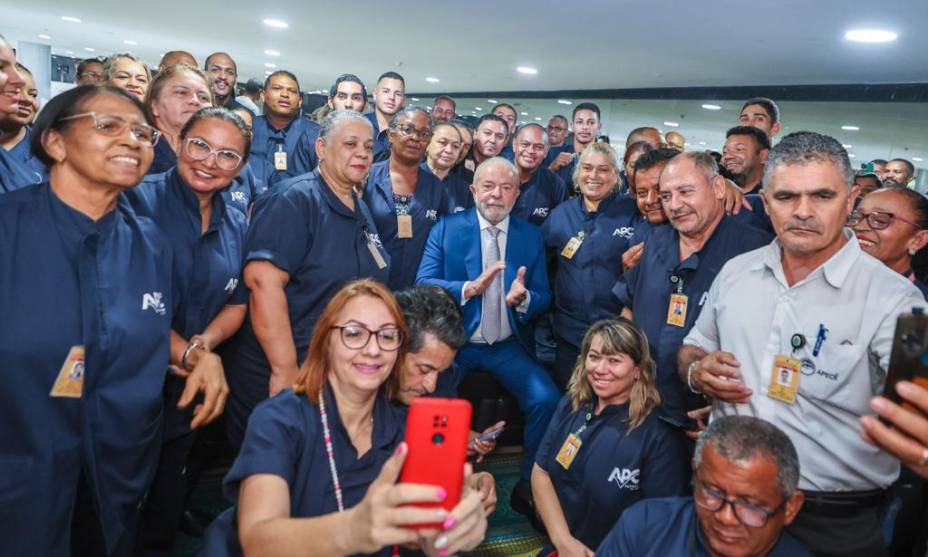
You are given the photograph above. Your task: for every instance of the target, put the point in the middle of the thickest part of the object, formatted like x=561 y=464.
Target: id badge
x=676 y=310
x=375 y=253
x=571 y=248
x=280 y=160
x=570 y=448
x=404 y=226
x=70 y=381
x=784 y=379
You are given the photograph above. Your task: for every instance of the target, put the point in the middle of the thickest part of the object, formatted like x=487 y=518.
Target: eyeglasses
x=356 y=337
x=114 y=126
x=878 y=220
x=407 y=130
x=199 y=150
x=748 y=514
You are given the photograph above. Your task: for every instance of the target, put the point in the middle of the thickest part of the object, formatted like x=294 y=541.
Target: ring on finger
x=924 y=460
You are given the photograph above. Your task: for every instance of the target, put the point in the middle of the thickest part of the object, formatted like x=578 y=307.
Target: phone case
x=436 y=434
x=909 y=358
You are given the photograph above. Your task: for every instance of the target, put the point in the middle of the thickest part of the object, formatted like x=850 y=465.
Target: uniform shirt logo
x=153 y=301
x=624 y=232
x=230 y=286
x=458 y=209
x=239 y=197
x=540 y=212
x=432 y=215
x=625 y=478
x=374 y=238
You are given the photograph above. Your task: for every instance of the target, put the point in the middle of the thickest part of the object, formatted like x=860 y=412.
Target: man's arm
x=432 y=265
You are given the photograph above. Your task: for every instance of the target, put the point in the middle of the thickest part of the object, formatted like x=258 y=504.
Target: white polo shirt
x=752 y=313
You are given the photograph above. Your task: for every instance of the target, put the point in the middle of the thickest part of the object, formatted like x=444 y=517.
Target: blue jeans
x=525 y=379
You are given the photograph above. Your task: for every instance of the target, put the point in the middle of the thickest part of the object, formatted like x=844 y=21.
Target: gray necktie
x=492 y=296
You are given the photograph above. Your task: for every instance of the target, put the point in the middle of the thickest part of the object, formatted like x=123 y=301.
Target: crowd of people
x=698 y=341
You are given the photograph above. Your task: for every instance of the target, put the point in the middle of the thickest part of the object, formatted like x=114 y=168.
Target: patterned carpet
x=509 y=533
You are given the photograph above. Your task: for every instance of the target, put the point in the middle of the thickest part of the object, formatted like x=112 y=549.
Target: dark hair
x=408 y=112
x=653 y=158
x=559 y=117
x=800 y=148
x=210 y=57
x=635 y=147
x=585 y=106
x=454 y=105
x=770 y=107
x=349 y=77
x=267 y=80
x=908 y=164
x=82 y=65
x=463 y=124
x=878 y=161
x=506 y=105
x=741 y=438
x=219 y=113
x=638 y=134
x=760 y=138
x=253 y=86
x=431 y=310
x=492 y=118
x=67 y=104
x=391 y=75
x=22 y=68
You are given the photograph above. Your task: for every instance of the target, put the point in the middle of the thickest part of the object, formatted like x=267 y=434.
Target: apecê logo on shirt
x=624 y=232
x=152 y=301
x=625 y=478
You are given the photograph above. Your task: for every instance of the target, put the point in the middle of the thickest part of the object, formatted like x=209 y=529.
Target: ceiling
x=476 y=45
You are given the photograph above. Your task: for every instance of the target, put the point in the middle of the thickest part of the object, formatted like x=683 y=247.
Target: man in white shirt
x=799 y=333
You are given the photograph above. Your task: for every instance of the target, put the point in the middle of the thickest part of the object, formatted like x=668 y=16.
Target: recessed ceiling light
x=492 y=101
x=416 y=99
x=712 y=107
x=432 y=79
x=130 y=41
x=850 y=128
x=672 y=124
x=870 y=36
x=521 y=122
x=524 y=113
x=71 y=19
x=270 y=65
x=268 y=72
x=538 y=118
x=847 y=145
x=917 y=159
x=88 y=49
x=702 y=142
x=851 y=156
x=526 y=70
x=276 y=23
x=44 y=36
x=478 y=108
x=69 y=52
x=272 y=53
x=563 y=101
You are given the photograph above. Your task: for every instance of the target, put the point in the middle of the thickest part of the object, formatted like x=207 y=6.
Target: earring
x=912 y=251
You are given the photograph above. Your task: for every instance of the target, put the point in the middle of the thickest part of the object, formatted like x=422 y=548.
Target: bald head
x=175 y=57
x=647 y=134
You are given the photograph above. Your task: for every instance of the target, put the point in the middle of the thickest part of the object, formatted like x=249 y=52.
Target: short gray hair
x=337 y=118
x=800 y=148
x=109 y=65
x=741 y=438
x=495 y=161
x=701 y=160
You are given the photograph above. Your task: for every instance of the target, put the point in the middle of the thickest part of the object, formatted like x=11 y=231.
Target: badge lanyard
x=570 y=448
x=330 y=452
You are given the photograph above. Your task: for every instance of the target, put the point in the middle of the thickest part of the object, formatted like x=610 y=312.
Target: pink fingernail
x=441 y=494
x=449 y=523
x=878 y=404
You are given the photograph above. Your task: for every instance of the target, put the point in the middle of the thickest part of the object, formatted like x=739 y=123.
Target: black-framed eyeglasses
x=115 y=126
x=199 y=150
x=748 y=514
x=878 y=220
x=356 y=337
x=408 y=130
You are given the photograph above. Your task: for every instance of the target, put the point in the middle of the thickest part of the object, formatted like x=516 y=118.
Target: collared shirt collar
x=835 y=269
x=503 y=225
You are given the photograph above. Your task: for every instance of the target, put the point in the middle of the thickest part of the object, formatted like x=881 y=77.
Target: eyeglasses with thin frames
x=748 y=514
x=356 y=337
x=114 y=126
x=877 y=220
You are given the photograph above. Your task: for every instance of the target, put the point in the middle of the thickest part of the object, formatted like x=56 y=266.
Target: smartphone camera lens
x=438 y=439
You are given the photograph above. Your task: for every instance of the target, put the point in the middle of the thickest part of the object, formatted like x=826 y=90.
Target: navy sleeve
x=279 y=232
x=272 y=443
x=624 y=288
x=304 y=156
x=537 y=281
x=239 y=295
x=432 y=265
x=549 y=445
x=667 y=466
x=621 y=540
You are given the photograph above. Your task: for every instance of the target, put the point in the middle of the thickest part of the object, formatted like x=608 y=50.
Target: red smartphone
x=436 y=435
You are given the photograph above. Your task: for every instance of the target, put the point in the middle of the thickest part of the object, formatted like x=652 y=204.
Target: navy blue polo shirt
x=614 y=467
x=285 y=438
x=106 y=285
x=304 y=155
x=249 y=184
x=381 y=138
x=267 y=140
x=457 y=190
x=543 y=191
x=583 y=284
x=305 y=230
x=757 y=216
x=670 y=527
x=566 y=172
x=15 y=173
x=429 y=202
x=646 y=289
x=164 y=158
x=23 y=152
x=508 y=153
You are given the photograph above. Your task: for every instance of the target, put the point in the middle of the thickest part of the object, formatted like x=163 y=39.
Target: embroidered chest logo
x=153 y=301
x=458 y=209
x=625 y=232
x=432 y=215
x=625 y=478
x=540 y=212
x=374 y=238
x=239 y=197
x=230 y=286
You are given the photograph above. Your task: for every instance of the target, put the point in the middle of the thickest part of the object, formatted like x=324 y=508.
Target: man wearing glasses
x=744 y=494
x=799 y=333
x=89 y=72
